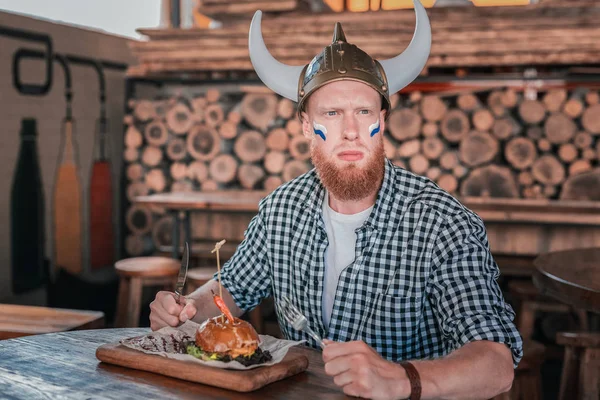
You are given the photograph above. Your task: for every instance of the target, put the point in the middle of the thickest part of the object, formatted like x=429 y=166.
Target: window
x=374 y=5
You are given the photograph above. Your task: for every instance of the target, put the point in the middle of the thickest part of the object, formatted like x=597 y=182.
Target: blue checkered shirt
x=423 y=282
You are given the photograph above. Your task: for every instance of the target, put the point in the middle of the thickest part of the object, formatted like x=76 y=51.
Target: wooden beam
x=548 y=33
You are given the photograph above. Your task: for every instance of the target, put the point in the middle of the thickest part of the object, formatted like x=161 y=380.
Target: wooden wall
x=49 y=111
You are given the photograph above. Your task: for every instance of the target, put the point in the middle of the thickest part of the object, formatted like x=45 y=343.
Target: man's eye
x=331 y=113
x=364 y=111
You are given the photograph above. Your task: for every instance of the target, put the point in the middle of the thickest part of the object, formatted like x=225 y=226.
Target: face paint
x=374 y=128
x=320 y=130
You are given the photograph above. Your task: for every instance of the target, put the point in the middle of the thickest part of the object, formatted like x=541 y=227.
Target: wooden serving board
x=240 y=381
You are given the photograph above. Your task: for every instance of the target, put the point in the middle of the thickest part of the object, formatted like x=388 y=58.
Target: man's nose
x=350 y=128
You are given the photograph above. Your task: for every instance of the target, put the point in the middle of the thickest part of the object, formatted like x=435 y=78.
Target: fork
x=298 y=321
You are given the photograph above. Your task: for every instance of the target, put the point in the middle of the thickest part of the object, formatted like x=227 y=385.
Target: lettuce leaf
x=197 y=352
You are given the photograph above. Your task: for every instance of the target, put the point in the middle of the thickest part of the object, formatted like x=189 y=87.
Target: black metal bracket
x=31 y=89
x=50 y=56
x=99 y=68
x=102 y=121
x=102 y=83
x=68 y=84
x=28 y=53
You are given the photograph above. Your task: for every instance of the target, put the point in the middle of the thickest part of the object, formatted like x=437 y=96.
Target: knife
x=182 y=274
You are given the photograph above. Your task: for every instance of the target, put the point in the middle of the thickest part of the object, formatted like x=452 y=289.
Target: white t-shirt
x=339 y=254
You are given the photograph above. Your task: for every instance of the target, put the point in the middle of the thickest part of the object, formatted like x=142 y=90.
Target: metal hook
x=102 y=120
x=62 y=60
x=100 y=66
x=21 y=53
x=102 y=82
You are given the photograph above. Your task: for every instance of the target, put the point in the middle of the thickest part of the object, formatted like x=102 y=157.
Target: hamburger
x=225 y=338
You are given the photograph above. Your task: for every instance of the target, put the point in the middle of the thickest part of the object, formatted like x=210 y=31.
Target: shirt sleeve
x=246 y=274
x=465 y=296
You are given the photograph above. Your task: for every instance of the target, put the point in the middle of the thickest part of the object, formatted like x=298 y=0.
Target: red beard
x=350 y=183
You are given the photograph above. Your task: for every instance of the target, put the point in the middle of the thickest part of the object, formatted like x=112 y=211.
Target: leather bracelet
x=414 y=378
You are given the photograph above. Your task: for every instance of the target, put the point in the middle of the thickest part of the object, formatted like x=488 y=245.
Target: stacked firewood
x=499 y=143
x=249 y=139
x=494 y=143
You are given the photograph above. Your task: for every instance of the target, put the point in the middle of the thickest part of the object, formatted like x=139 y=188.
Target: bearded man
x=394 y=273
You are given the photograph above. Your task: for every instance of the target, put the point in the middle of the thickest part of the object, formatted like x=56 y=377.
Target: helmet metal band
x=341 y=61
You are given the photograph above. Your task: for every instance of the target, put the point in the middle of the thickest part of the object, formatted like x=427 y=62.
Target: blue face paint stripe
x=320 y=133
x=375 y=132
x=374 y=128
x=320 y=130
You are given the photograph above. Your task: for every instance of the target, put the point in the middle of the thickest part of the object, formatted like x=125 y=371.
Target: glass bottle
x=27 y=215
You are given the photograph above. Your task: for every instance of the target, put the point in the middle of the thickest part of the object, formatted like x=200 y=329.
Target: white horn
x=405 y=67
x=279 y=77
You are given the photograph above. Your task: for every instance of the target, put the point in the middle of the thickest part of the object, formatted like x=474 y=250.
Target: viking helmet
x=341 y=61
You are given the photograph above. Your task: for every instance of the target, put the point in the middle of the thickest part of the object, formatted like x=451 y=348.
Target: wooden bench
x=19 y=320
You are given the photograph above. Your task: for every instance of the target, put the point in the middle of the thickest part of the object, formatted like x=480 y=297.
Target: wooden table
x=518 y=230
x=18 y=320
x=64 y=365
x=571 y=276
x=176 y=203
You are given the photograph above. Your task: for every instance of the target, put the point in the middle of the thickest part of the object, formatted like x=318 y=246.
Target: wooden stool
x=531 y=301
x=197 y=277
x=200 y=251
x=580 y=377
x=527 y=384
x=135 y=274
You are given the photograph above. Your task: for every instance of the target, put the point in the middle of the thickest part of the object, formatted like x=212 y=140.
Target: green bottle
x=27 y=215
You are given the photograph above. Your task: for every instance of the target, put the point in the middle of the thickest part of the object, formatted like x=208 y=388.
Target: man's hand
x=360 y=371
x=164 y=310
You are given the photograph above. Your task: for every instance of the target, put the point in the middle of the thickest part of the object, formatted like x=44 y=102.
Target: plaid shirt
x=423 y=282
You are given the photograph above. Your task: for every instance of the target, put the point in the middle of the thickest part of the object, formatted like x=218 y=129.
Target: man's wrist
x=401 y=390
x=414 y=379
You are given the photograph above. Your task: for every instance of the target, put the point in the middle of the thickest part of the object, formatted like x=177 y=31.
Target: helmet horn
x=279 y=77
x=406 y=66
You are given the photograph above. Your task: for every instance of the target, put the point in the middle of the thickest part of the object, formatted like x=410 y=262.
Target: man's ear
x=382 y=116
x=306 y=128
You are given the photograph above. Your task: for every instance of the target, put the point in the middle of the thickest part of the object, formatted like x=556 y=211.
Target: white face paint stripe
x=374 y=128
x=320 y=130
